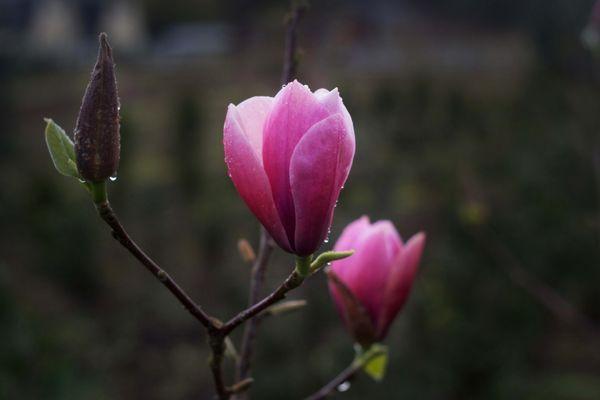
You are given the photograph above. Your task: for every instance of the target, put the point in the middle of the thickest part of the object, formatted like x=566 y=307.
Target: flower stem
x=344 y=376
x=292 y=281
x=256 y=282
x=120 y=234
x=348 y=373
x=303 y=266
x=98 y=191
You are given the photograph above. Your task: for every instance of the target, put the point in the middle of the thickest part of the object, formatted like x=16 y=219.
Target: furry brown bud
x=97 y=138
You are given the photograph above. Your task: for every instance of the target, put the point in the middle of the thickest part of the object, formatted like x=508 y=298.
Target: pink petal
x=249 y=177
x=252 y=114
x=348 y=240
x=400 y=282
x=319 y=167
x=351 y=239
x=350 y=235
x=334 y=104
x=367 y=271
x=294 y=111
x=331 y=100
x=354 y=314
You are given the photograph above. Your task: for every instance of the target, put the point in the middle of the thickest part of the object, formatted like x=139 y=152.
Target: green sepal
x=373 y=361
x=327 y=257
x=61 y=148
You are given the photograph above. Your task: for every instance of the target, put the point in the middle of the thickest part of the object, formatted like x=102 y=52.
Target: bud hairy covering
x=97 y=138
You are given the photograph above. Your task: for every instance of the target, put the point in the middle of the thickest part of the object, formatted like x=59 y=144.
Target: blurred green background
x=476 y=121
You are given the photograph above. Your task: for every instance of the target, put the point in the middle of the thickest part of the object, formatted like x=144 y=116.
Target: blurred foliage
x=477 y=170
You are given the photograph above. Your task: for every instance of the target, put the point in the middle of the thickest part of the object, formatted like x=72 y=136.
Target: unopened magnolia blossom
x=289 y=157
x=376 y=280
x=97 y=135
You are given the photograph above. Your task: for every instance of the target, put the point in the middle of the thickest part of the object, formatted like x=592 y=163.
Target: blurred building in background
x=379 y=37
x=67 y=29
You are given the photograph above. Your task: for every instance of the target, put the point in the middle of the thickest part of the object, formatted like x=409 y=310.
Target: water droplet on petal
x=113 y=178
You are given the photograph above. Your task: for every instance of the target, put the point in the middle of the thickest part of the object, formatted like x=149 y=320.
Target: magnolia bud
x=97 y=138
x=371 y=287
x=246 y=250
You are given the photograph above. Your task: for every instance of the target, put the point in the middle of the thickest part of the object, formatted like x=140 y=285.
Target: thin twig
x=293 y=281
x=120 y=234
x=290 y=53
x=256 y=282
x=329 y=389
x=217 y=335
x=217 y=345
x=213 y=326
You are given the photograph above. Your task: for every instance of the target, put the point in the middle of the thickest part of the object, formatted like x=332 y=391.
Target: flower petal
x=334 y=104
x=367 y=271
x=252 y=114
x=249 y=177
x=400 y=282
x=348 y=240
x=294 y=111
x=352 y=311
x=350 y=235
x=318 y=169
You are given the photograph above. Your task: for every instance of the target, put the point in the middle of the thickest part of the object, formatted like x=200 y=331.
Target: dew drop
x=113 y=178
x=326 y=240
x=343 y=387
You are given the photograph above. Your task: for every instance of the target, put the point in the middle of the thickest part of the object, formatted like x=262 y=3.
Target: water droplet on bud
x=343 y=387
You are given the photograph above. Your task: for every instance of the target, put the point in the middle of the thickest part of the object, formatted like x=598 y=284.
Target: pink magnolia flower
x=376 y=280
x=289 y=157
